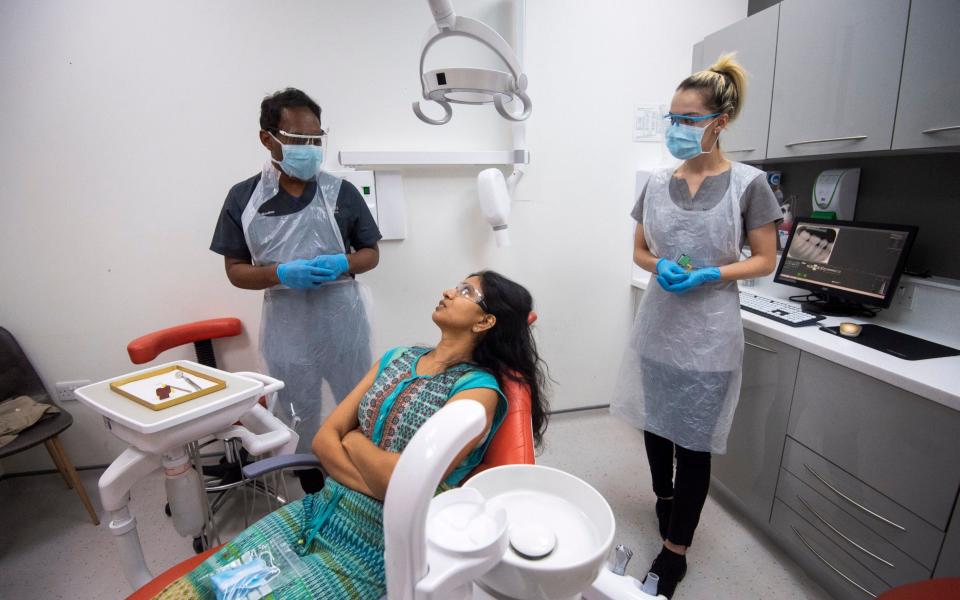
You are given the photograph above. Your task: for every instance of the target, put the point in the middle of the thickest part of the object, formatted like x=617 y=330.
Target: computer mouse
x=849 y=329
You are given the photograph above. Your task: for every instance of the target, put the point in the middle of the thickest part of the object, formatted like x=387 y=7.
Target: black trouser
x=688 y=489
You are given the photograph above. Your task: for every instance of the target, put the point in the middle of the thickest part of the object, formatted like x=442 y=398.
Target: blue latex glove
x=336 y=263
x=669 y=272
x=695 y=278
x=302 y=274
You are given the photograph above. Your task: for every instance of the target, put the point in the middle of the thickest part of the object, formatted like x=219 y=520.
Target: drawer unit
x=834 y=569
x=892 y=522
x=878 y=555
x=901 y=444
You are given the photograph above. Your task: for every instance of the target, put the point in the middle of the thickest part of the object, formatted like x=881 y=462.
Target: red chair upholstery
x=170 y=575
x=513 y=443
x=147 y=347
x=946 y=588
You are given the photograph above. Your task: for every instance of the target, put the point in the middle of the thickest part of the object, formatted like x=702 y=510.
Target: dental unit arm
x=437 y=547
x=470 y=85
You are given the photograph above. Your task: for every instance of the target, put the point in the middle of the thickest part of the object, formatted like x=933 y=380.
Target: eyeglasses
x=678 y=119
x=297 y=139
x=471 y=293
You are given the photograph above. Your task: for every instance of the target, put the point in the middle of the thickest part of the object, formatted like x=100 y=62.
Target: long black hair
x=508 y=349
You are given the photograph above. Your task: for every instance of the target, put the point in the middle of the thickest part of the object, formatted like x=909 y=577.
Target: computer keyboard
x=777 y=311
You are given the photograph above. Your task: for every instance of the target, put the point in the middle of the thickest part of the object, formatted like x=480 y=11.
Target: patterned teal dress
x=341 y=530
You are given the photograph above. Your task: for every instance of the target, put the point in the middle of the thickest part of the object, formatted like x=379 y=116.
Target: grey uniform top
x=758 y=205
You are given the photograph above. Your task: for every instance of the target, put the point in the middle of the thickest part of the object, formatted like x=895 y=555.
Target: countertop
x=937 y=379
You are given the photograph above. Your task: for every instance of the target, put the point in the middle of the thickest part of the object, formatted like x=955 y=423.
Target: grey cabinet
x=749 y=469
x=900 y=444
x=837 y=76
x=949 y=563
x=755 y=41
x=697 y=63
x=866 y=545
x=833 y=568
x=918 y=539
x=928 y=113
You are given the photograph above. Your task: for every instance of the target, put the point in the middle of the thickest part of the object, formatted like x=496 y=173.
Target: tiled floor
x=49 y=548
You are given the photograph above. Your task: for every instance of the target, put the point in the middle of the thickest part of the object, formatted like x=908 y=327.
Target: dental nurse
x=302 y=234
x=680 y=378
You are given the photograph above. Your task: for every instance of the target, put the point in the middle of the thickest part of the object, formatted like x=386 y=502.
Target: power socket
x=65 y=389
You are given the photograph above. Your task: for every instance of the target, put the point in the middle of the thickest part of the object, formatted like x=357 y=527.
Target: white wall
x=124 y=124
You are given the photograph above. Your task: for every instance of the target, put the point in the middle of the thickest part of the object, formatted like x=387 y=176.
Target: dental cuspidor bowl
x=564 y=526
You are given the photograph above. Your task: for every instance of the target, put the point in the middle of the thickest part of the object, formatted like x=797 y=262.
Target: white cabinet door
x=838 y=74
x=755 y=41
x=928 y=114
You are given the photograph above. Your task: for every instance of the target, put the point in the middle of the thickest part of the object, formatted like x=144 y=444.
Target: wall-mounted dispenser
x=835 y=194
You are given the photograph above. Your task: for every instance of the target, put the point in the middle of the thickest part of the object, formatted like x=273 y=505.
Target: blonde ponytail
x=723 y=85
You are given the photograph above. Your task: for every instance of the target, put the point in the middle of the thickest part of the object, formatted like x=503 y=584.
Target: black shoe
x=670 y=567
x=664 y=508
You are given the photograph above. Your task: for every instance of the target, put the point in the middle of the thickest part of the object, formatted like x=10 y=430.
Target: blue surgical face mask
x=237 y=582
x=685 y=141
x=300 y=161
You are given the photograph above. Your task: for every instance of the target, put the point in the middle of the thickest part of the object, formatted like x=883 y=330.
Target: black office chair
x=19 y=378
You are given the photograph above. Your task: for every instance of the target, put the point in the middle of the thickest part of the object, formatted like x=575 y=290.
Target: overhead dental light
x=461 y=85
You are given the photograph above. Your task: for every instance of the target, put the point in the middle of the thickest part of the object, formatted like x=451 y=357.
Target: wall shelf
x=414 y=158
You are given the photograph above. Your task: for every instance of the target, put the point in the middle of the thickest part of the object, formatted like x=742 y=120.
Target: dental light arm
x=466 y=85
x=443 y=13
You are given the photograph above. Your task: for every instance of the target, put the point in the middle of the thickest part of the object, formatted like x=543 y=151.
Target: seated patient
x=484 y=338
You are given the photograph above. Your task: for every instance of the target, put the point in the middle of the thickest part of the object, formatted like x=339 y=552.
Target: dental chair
x=512 y=444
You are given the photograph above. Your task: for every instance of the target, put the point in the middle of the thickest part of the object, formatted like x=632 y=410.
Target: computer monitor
x=847 y=265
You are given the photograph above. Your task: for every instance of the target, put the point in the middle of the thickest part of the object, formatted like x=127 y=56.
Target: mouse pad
x=897 y=344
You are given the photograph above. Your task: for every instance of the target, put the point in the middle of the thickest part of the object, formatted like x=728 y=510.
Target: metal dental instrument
x=181 y=375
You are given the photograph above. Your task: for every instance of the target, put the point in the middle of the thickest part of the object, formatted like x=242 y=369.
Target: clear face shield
x=285 y=138
x=302 y=153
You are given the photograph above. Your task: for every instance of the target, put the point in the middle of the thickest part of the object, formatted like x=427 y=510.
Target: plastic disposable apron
x=681 y=372
x=307 y=337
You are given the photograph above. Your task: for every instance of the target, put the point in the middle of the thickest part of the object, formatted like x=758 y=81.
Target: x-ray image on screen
x=813 y=244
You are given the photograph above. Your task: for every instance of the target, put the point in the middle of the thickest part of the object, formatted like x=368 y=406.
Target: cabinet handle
x=849 y=138
x=852 y=501
x=928 y=131
x=835 y=570
x=840 y=533
x=741 y=150
x=759 y=347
